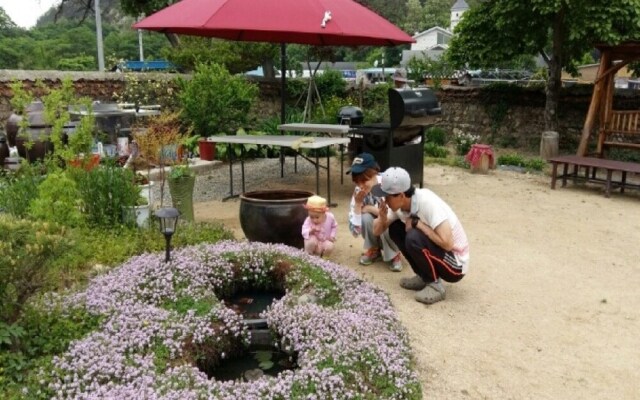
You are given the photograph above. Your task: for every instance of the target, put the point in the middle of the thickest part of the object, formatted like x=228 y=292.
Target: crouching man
x=427 y=232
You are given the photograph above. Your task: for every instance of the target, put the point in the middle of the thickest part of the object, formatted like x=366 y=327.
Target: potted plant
x=215 y=101
x=182 y=180
x=158 y=140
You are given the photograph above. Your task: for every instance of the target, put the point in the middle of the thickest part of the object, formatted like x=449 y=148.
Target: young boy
x=319 y=228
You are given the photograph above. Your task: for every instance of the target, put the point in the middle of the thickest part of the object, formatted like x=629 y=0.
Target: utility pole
x=99 y=36
x=140 y=44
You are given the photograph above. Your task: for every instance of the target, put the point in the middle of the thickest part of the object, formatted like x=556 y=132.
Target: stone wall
x=506 y=117
x=101 y=86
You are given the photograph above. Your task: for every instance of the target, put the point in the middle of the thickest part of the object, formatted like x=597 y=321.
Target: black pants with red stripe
x=428 y=260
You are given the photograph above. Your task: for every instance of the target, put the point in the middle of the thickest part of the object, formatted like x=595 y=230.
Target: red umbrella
x=311 y=22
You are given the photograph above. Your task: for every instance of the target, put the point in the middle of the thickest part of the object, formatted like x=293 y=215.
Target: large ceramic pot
x=274 y=216
x=40 y=144
x=4 y=150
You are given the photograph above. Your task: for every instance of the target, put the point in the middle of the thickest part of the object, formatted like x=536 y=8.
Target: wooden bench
x=594 y=163
x=621 y=130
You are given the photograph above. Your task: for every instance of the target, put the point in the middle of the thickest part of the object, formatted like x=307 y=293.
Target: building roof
x=460 y=5
x=435 y=28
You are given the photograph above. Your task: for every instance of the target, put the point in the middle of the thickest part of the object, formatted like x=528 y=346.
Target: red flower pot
x=207 y=150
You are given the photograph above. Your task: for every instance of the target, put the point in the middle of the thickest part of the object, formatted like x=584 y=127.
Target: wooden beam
x=596 y=97
x=612 y=70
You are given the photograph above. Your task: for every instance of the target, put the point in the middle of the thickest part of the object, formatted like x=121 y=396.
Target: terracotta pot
x=274 y=216
x=207 y=150
x=88 y=164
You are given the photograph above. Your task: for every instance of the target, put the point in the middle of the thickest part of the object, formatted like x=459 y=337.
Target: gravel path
x=213 y=184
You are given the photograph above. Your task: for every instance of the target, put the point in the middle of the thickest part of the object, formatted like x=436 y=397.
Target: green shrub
x=511 y=159
x=331 y=84
x=436 y=136
x=58 y=201
x=434 y=150
x=535 y=164
x=18 y=189
x=105 y=191
x=26 y=251
x=464 y=141
x=215 y=101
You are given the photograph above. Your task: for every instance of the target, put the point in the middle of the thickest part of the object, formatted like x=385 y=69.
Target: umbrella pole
x=283 y=77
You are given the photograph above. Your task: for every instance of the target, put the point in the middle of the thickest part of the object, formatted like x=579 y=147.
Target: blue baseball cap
x=361 y=163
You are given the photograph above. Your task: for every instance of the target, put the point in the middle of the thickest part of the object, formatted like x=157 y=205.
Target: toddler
x=319 y=228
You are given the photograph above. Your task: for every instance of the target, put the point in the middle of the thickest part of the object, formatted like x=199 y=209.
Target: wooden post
x=596 y=98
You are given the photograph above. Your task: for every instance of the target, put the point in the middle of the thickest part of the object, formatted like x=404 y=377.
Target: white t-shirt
x=433 y=211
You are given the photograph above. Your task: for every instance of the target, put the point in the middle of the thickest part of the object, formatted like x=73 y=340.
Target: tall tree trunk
x=173 y=39
x=555 y=73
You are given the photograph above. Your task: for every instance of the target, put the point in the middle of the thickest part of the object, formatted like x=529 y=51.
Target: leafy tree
x=414 y=21
x=437 y=13
x=561 y=31
x=5 y=21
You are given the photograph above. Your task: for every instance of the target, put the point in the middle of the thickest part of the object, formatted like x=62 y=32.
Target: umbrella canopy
x=312 y=22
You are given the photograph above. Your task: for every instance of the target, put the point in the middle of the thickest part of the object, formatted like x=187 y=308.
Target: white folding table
x=293 y=142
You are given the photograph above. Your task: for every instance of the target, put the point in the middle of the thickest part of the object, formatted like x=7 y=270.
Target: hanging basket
x=181 y=190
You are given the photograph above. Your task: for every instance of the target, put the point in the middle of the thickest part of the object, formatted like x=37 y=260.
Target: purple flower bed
x=159 y=317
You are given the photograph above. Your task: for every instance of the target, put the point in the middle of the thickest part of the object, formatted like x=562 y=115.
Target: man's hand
x=382 y=211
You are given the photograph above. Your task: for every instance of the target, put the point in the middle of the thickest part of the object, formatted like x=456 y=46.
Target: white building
x=434 y=41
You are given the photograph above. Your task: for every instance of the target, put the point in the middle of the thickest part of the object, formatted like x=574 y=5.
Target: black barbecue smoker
x=400 y=142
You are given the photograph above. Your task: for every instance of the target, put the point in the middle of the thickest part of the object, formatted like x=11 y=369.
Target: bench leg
x=624 y=181
x=574 y=174
x=554 y=174
x=607 y=190
x=565 y=170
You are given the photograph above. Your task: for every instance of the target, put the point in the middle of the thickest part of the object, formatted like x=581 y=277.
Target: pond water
x=262 y=357
x=255 y=362
x=251 y=303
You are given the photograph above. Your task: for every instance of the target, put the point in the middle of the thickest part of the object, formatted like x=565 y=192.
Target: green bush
x=215 y=101
x=58 y=201
x=17 y=190
x=27 y=249
x=464 y=141
x=436 y=135
x=105 y=191
x=511 y=159
x=331 y=84
x=433 y=150
x=535 y=164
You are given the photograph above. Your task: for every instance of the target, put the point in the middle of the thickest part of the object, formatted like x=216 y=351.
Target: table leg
x=574 y=174
x=281 y=163
x=329 y=180
x=242 y=167
x=607 y=190
x=317 y=173
x=342 y=164
x=230 y=153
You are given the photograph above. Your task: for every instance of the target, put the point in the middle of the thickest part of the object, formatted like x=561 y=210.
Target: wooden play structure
x=617 y=128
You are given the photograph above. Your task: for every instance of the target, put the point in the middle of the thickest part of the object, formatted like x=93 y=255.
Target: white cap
x=395 y=180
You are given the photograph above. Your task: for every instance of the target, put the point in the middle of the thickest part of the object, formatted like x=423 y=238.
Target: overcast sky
x=25 y=13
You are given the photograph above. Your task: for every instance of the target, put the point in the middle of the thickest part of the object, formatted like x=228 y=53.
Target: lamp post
x=168 y=218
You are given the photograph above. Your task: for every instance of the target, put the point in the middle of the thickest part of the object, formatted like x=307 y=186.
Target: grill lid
x=351 y=115
x=412 y=107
